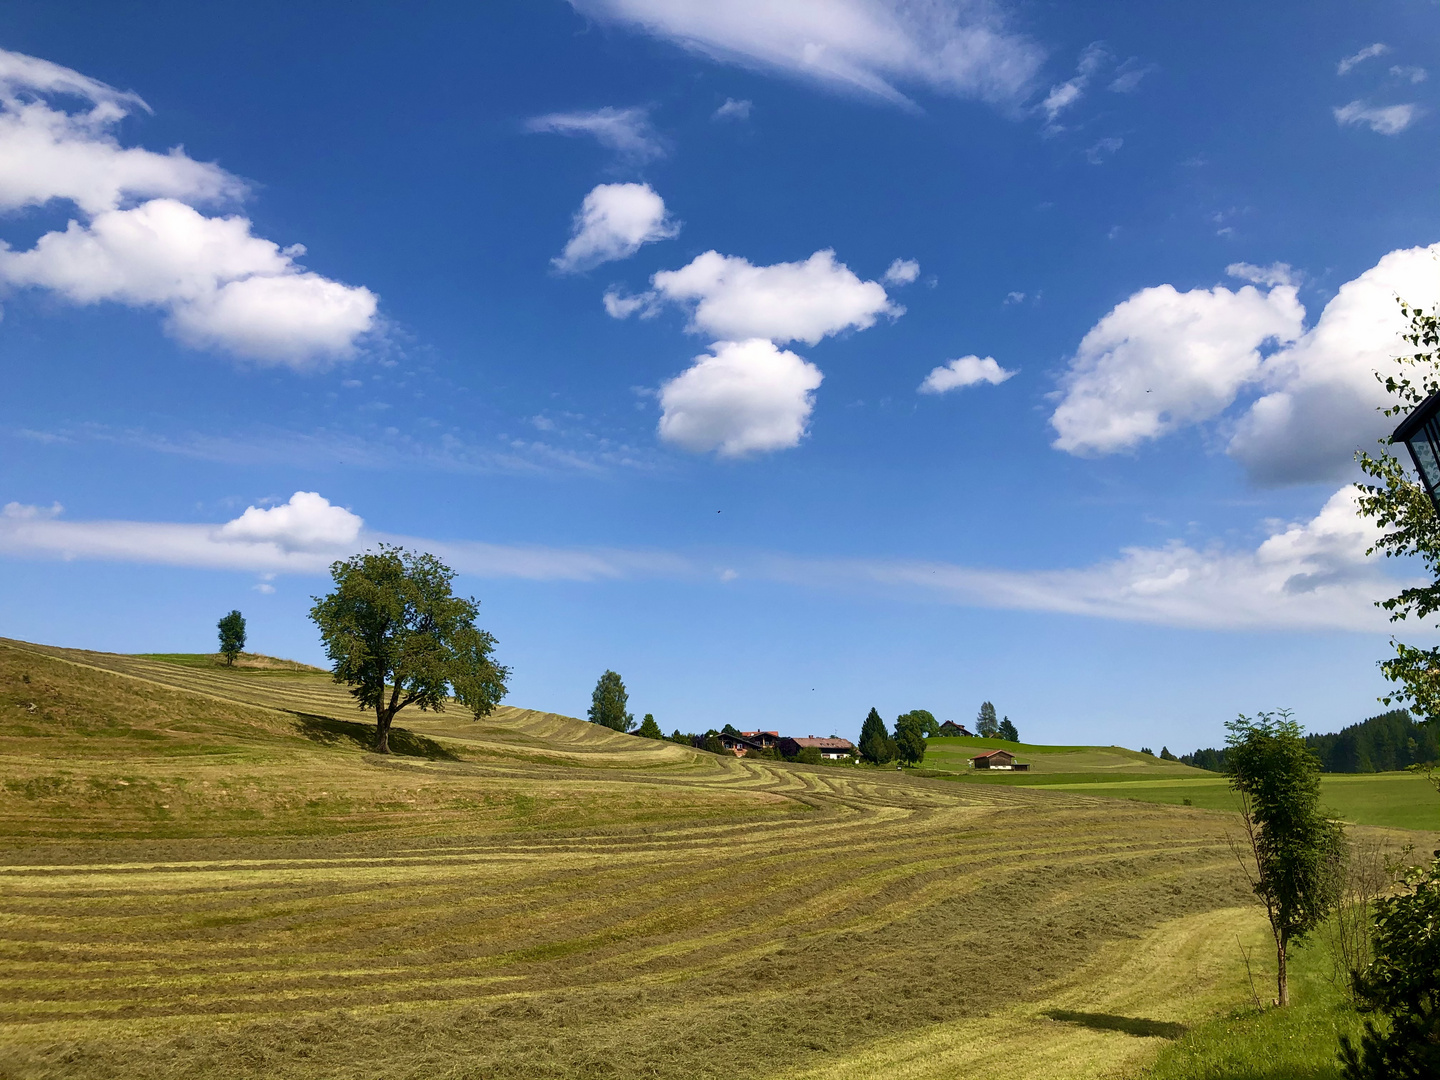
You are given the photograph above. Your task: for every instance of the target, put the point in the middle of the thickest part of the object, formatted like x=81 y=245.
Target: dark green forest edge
x=1386 y=743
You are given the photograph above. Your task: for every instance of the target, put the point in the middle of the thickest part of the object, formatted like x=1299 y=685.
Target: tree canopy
x=608 y=701
x=649 y=729
x=397 y=635
x=910 y=736
x=986 y=726
x=923 y=719
x=232 y=636
x=876 y=745
x=1297 y=850
x=1401 y=509
x=1006 y=730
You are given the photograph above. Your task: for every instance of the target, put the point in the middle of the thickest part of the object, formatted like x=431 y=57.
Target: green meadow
x=205 y=873
x=1401 y=800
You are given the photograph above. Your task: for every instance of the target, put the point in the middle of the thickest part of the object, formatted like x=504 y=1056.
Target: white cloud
x=733 y=110
x=613 y=222
x=621 y=305
x=1164 y=358
x=1322 y=400
x=1275 y=274
x=1097 y=154
x=627 y=132
x=308 y=522
x=1066 y=94
x=1014 y=298
x=1382 y=119
x=220 y=286
x=47 y=153
x=1367 y=53
x=868 y=46
x=902 y=272
x=1412 y=75
x=732 y=299
x=743 y=397
x=27 y=512
x=1310 y=575
x=1128 y=76
x=966 y=371
x=1307 y=575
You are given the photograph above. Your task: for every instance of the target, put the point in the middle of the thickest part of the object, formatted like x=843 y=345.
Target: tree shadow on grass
x=328 y=731
x=1130 y=1025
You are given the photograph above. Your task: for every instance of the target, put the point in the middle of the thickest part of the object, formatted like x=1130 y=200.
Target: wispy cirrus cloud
x=1311 y=574
x=878 y=48
x=626 y=132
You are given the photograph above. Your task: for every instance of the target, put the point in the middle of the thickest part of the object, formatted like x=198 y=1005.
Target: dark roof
x=832 y=743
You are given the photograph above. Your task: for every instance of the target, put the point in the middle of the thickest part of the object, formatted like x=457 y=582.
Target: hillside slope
x=208 y=876
x=1049 y=764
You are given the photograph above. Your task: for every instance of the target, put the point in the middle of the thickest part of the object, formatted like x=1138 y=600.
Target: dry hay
x=195 y=884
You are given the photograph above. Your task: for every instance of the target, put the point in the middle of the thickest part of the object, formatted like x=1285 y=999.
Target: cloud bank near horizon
x=1310 y=575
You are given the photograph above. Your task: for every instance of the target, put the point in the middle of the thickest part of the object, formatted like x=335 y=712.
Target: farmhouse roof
x=832 y=743
x=992 y=753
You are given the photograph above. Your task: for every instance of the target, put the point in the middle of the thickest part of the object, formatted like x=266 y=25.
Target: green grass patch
x=1300 y=1042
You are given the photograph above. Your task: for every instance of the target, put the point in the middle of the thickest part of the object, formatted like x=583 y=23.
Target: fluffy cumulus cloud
x=902 y=272
x=1163 y=359
x=729 y=297
x=742 y=397
x=141 y=242
x=1381 y=119
x=873 y=47
x=613 y=222
x=626 y=132
x=308 y=522
x=966 y=371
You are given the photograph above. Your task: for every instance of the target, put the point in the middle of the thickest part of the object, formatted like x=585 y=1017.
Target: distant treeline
x=1384 y=743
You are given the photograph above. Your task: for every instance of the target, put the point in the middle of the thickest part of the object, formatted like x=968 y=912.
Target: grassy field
x=203 y=873
x=1384 y=800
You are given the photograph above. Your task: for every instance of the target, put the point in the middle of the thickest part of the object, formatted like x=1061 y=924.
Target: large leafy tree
x=398 y=636
x=608 y=701
x=1400 y=507
x=1297 y=851
x=924 y=719
x=910 y=738
x=986 y=726
x=232 y=636
x=876 y=745
x=1403 y=984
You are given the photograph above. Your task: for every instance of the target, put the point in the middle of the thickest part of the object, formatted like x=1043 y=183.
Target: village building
x=831 y=749
x=767 y=739
x=950 y=727
x=999 y=759
x=739 y=745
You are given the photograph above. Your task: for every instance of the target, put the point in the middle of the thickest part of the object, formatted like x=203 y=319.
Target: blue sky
x=788 y=363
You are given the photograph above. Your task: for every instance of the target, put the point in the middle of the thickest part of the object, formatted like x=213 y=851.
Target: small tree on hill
x=232 y=636
x=1006 y=730
x=986 y=726
x=649 y=729
x=910 y=738
x=876 y=746
x=398 y=636
x=1296 y=850
x=608 y=701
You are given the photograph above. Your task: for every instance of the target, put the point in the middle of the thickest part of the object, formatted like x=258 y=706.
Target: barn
x=999 y=759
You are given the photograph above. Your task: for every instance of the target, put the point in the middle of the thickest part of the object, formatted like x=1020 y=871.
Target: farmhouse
x=950 y=727
x=998 y=759
x=767 y=739
x=831 y=748
x=739 y=745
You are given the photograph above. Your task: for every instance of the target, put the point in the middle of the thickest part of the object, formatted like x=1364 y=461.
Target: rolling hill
x=205 y=874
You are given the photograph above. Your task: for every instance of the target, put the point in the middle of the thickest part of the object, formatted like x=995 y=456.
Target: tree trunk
x=382 y=731
x=1282 y=979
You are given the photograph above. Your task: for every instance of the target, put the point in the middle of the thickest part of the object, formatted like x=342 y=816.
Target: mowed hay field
x=203 y=873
